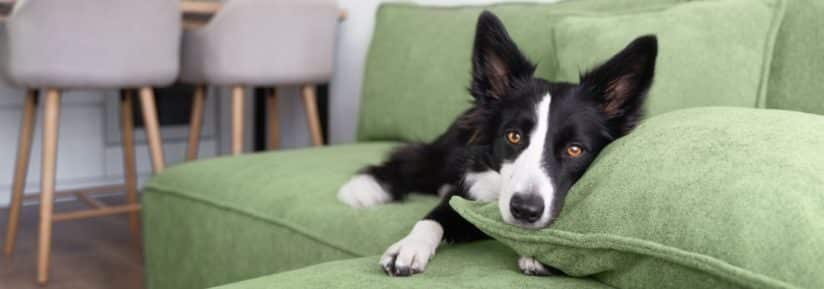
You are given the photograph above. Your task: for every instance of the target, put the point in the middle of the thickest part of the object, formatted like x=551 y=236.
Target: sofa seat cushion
x=479 y=265
x=232 y=218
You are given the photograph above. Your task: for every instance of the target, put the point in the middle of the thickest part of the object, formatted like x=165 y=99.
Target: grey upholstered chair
x=88 y=44
x=261 y=43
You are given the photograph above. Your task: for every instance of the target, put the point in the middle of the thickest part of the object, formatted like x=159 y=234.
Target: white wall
x=353 y=41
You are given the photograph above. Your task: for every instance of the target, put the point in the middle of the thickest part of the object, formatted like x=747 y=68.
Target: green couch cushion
x=711 y=53
x=480 y=265
x=232 y=218
x=418 y=68
x=697 y=198
x=796 y=81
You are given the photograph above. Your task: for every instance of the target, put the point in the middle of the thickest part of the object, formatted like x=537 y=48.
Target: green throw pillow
x=696 y=198
x=711 y=53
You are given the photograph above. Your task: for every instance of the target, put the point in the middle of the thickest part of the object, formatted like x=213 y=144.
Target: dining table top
x=194 y=13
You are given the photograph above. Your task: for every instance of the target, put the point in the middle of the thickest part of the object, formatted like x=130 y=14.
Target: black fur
x=604 y=106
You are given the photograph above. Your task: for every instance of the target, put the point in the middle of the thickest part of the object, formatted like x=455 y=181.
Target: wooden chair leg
x=195 y=122
x=51 y=118
x=129 y=174
x=272 y=134
x=21 y=166
x=310 y=103
x=237 y=119
x=147 y=103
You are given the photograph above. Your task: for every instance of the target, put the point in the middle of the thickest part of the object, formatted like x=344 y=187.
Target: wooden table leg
x=51 y=117
x=195 y=122
x=237 y=119
x=21 y=166
x=273 y=132
x=311 y=105
x=147 y=103
x=129 y=174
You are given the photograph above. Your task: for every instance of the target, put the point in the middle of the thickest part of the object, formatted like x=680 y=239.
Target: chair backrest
x=93 y=43
x=267 y=42
x=418 y=66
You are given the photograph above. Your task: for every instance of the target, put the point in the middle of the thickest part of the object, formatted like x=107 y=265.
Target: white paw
x=362 y=191
x=531 y=266
x=411 y=254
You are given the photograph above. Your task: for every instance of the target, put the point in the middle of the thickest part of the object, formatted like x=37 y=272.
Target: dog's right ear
x=620 y=85
x=497 y=64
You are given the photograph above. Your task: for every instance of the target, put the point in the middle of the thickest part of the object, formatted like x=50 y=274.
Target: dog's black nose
x=526 y=207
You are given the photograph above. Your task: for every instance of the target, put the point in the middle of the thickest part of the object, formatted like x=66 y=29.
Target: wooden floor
x=86 y=254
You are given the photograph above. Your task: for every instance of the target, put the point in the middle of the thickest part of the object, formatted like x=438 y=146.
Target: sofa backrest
x=797 y=70
x=418 y=67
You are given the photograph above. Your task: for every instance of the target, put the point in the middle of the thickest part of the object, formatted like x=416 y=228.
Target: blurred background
x=90 y=129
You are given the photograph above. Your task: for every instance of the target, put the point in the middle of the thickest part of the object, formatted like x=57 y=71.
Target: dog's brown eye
x=513 y=137
x=574 y=151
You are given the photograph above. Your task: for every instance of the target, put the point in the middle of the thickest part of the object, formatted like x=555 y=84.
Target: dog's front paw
x=407 y=257
x=533 y=267
x=411 y=254
x=363 y=191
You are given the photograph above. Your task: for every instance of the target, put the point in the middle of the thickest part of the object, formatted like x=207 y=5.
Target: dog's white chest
x=483 y=186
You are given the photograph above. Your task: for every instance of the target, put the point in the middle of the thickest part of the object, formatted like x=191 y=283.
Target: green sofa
x=224 y=220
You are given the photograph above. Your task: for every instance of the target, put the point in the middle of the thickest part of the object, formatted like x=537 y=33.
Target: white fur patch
x=527 y=174
x=411 y=254
x=444 y=189
x=363 y=191
x=531 y=266
x=483 y=186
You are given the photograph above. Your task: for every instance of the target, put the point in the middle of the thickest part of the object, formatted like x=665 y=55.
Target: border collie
x=524 y=142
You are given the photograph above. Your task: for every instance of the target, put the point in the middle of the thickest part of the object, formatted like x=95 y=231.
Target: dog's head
x=542 y=134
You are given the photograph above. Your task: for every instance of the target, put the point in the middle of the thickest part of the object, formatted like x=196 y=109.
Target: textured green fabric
x=228 y=219
x=213 y=222
x=796 y=81
x=697 y=198
x=727 y=67
x=481 y=265
x=418 y=67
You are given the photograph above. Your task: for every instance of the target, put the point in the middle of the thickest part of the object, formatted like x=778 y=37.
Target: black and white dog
x=524 y=142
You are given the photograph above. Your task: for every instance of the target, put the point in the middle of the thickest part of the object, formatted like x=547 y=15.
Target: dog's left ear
x=496 y=61
x=620 y=85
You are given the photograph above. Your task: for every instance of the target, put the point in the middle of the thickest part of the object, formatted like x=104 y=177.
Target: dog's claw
x=388 y=265
x=402 y=271
x=387 y=269
x=390 y=268
x=398 y=271
x=532 y=267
